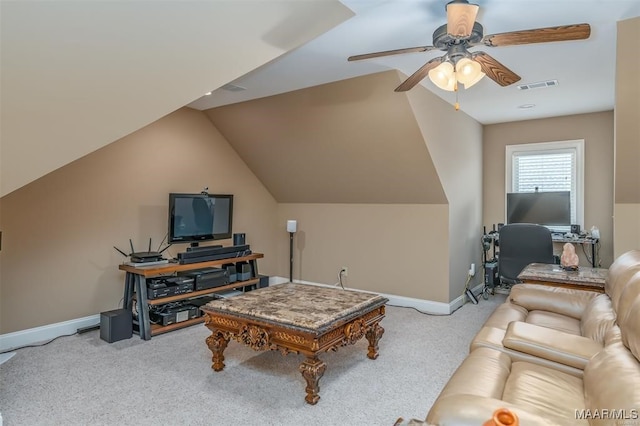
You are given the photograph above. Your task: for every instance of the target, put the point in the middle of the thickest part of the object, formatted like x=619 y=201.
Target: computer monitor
x=551 y=208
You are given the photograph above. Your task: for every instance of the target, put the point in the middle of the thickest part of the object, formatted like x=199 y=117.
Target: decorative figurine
x=569 y=259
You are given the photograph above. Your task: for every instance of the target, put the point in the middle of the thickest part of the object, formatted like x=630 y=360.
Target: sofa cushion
x=564 y=301
x=554 y=320
x=472 y=410
x=504 y=314
x=598 y=318
x=489 y=369
x=544 y=391
x=491 y=337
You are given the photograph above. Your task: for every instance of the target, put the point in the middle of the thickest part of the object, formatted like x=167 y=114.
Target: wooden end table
x=298 y=318
x=585 y=278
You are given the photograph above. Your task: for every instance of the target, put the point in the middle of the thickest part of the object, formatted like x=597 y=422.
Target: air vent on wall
x=538 y=85
x=233 y=88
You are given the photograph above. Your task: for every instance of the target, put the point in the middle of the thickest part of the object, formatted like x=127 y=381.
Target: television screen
x=543 y=208
x=200 y=217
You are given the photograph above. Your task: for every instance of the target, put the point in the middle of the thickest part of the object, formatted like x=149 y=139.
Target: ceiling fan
x=462 y=32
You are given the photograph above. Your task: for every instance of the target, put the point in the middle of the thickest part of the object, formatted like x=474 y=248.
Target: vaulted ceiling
x=77 y=75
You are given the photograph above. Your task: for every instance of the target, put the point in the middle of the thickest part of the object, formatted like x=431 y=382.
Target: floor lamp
x=292 y=227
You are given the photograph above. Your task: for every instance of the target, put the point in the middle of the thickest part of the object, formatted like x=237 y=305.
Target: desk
x=585 y=278
x=593 y=242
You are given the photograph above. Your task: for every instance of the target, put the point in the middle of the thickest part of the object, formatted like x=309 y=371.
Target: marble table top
x=554 y=273
x=300 y=305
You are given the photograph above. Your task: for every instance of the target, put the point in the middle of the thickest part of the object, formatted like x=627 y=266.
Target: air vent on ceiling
x=538 y=85
x=233 y=88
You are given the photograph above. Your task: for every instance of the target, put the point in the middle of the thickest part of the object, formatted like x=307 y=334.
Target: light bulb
x=443 y=76
x=471 y=82
x=468 y=72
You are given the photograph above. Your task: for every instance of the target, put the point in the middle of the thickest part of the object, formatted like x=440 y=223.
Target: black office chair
x=520 y=245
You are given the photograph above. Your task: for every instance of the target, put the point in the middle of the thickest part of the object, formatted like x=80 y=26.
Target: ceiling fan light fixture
x=468 y=72
x=443 y=76
x=471 y=82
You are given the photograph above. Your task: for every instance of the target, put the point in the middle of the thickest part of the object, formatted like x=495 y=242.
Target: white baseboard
x=462 y=299
x=426 y=306
x=45 y=333
x=277 y=280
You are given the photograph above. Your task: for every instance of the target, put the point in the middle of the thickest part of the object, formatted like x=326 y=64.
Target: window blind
x=552 y=171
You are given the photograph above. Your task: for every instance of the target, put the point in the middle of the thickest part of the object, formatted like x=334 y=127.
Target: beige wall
x=627 y=141
x=352 y=141
x=597 y=131
x=454 y=141
x=57 y=259
x=389 y=248
x=358 y=141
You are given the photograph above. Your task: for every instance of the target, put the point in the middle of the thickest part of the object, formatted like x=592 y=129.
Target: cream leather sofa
x=554 y=356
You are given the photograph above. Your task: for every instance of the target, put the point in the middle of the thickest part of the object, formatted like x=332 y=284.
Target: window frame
x=576 y=145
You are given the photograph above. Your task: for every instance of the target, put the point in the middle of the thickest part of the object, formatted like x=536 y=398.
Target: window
x=548 y=166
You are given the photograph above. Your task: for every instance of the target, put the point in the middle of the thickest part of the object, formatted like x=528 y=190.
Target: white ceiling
x=585 y=70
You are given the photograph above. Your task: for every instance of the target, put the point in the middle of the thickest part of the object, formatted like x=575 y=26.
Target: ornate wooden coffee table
x=296 y=318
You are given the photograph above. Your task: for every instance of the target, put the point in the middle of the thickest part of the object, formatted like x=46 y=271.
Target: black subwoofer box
x=264 y=281
x=116 y=325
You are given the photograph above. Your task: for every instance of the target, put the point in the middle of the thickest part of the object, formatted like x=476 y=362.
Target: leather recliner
x=556 y=326
x=566 y=357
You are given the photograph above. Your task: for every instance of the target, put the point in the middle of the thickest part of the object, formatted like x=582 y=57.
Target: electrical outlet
x=472 y=270
x=344 y=271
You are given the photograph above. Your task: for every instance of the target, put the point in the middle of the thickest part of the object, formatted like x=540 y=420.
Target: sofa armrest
x=547 y=343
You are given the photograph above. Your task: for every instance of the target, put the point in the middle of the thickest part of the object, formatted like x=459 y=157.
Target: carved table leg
x=373 y=335
x=312 y=370
x=217 y=343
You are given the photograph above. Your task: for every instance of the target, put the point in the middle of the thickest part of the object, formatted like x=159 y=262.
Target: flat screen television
x=551 y=208
x=200 y=217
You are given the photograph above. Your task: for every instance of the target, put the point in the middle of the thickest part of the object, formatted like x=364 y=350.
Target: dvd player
x=174 y=314
x=207 y=278
x=157 y=288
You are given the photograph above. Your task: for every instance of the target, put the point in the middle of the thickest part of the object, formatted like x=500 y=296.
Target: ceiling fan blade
x=417 y=76
x=460 y=17
x=539 y=35
x=495 y=70
x=390 y=52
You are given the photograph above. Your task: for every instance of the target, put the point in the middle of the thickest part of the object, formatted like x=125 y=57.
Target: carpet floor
x=168 y=380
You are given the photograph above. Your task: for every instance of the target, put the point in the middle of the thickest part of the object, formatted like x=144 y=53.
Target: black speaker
x=231 y=269
x=575 y=229
x=264 y=281
x=243 y=271
x=239 y=239
x=116 y=325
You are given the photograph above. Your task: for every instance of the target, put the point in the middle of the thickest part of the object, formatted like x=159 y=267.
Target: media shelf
x=169 y=299
x=135 y=290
